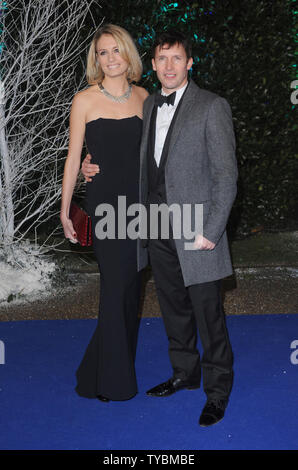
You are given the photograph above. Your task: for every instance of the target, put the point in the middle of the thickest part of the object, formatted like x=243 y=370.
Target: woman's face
x=109 y=58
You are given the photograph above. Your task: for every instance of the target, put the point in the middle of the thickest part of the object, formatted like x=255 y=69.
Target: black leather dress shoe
x=102 y=398
x=171 y=386
x=213 y=412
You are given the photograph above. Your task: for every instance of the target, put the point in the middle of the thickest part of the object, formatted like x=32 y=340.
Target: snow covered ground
x=24 y=272
x=269 y=272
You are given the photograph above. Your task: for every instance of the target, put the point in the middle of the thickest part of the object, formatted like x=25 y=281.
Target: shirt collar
x=179 y=93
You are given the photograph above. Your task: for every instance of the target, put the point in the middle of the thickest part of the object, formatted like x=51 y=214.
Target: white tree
x=44 y=46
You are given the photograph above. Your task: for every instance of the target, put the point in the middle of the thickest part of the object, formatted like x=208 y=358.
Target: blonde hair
x=127 y=49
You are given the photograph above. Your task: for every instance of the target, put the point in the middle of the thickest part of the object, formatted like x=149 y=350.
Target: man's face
x=171 y=65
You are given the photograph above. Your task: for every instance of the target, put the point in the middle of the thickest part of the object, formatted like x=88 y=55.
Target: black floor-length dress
x=107 y=367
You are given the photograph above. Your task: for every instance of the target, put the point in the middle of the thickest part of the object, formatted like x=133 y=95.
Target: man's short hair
x=170 y=38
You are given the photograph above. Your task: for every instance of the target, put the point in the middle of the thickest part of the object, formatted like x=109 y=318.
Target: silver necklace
x=116 y=99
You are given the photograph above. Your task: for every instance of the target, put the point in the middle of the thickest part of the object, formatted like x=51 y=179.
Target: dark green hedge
x=244 y=51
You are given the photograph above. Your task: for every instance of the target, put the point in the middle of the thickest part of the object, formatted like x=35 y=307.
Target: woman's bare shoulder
x=84 y=96
x=142 y=92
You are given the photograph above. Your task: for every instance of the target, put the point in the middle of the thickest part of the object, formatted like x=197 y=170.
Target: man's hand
x=89 y=169
x=201 y=243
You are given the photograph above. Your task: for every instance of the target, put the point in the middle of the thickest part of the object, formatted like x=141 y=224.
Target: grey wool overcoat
x=201 y=168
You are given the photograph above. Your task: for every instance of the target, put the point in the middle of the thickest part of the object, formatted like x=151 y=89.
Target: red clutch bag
x=81 y=222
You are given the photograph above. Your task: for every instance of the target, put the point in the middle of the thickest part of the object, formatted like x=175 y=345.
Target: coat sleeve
x=223 y=168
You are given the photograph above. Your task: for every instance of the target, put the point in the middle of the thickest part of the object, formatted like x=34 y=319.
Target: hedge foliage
x=244 y=51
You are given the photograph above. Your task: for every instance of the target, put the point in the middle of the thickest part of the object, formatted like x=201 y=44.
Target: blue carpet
x=40 y=410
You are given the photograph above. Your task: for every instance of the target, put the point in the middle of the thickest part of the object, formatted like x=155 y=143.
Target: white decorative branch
x=44 y=50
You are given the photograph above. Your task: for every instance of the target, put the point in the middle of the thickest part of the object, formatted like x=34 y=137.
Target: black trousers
x=185 y=311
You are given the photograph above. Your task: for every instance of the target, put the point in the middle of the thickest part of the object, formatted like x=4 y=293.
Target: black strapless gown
x=108 y=365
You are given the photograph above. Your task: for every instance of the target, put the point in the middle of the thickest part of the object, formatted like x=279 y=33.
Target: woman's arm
x=73 y=160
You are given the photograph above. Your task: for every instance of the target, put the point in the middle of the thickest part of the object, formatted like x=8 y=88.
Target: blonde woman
x=108 y=114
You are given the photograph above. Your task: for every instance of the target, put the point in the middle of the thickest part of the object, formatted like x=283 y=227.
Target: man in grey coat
x=188 y=157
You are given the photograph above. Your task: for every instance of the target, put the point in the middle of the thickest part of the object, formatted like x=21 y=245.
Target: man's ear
x=189 y=63
x=153 y=65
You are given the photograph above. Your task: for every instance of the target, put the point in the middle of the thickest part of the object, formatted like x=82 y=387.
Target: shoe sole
x=208 y=425
x=195 y=387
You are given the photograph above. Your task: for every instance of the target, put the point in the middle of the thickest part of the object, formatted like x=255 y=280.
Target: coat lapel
x=146 y=130
x=143 y=182
x=190 y=97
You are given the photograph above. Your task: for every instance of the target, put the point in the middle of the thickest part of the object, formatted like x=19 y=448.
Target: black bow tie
x=168 y=99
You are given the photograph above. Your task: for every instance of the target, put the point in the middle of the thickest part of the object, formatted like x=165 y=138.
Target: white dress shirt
x=164 y=117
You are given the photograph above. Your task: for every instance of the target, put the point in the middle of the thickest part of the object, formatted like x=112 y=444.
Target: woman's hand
x=69 y=231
